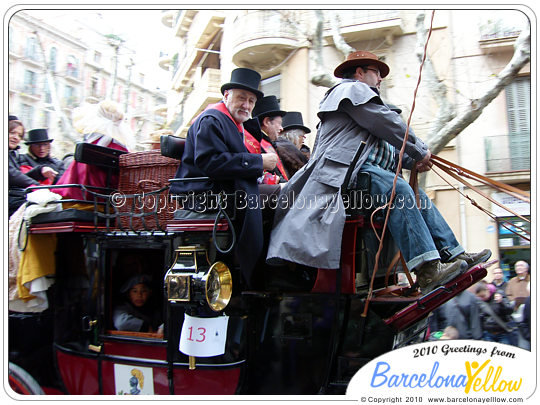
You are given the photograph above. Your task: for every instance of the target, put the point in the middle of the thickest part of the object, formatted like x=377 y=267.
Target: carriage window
x=136 y=293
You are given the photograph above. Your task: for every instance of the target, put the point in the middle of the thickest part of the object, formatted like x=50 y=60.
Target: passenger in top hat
x=215 y=149
x=294 y=129
x=18 y=180
x=39 y=153
x=269 y=115
x=272 y=118
x=350 y=113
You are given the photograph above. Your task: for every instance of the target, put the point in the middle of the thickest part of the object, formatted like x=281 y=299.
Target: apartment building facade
x=85 y=68
x=468 y=49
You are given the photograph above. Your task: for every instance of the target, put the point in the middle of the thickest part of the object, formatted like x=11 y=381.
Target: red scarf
x=252 y=144
x=267 y=146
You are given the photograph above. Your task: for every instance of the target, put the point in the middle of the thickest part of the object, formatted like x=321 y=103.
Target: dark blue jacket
x=53 y=163
x=215 y=149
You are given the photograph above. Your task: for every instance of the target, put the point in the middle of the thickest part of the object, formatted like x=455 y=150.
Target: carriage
x=300 y=331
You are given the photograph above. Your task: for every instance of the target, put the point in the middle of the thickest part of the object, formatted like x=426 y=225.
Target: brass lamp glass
x=218 y=286
x=192 y=279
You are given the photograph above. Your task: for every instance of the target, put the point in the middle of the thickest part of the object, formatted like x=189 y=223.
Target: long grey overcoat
x=310 y=215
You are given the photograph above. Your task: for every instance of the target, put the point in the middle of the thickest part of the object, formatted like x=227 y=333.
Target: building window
x=511 y=151
x=47 y=91
x=97 y=57
x=31 y=48
x=29 y=86
x=72 y=69
x=52 y=59
x=94 y=86
x=518 y=105
x=272 y=86
x=27 y=115
x=69 y=96
x=514 y=241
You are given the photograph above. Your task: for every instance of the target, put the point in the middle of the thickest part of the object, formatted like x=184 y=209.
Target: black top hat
x=13 y=118
x=267 y=107
x=244 y=78
x=293 y=120
x=37 y=136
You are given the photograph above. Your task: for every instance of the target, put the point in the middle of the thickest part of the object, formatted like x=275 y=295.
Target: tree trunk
x=63 y=122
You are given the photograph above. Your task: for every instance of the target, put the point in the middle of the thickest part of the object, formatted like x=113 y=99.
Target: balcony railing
x=505 y=153
x=356 y=17
x=498 y=36
x=206 y=90
x=263 y=39
x=259 y=24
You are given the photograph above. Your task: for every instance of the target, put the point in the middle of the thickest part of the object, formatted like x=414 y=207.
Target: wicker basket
x=144 y=202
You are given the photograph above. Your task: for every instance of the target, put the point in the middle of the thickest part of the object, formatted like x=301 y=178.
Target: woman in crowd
x=17 y=180
x=495 y=311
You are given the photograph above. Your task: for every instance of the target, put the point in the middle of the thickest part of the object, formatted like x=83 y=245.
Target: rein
x=451 y=168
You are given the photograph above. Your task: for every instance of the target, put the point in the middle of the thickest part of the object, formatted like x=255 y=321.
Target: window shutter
x=518 y=101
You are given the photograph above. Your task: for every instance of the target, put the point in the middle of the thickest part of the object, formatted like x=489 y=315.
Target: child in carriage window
x=138 y=313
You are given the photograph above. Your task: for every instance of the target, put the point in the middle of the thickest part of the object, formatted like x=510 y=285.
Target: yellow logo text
x=480 y=378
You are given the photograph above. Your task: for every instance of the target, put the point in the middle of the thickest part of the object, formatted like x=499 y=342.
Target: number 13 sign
x=203 y=337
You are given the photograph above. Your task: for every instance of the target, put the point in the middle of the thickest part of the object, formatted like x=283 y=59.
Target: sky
x=144 y=34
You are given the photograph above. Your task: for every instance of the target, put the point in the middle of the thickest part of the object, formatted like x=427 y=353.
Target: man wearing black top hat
x=39 y=154
x=268 y=113
x=294 y=129
x=215 y=149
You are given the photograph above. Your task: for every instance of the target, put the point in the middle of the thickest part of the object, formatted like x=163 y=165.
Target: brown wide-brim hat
x=362 y=58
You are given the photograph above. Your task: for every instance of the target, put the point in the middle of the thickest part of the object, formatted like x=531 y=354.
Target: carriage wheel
x=23 y=383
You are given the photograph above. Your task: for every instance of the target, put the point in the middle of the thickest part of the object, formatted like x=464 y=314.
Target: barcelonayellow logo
x=453 y=367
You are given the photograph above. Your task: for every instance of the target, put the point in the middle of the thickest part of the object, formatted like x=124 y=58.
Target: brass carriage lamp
x=192 y=279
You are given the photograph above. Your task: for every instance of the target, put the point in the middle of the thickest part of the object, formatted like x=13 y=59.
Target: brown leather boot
x=435 y=274
x=473 y=259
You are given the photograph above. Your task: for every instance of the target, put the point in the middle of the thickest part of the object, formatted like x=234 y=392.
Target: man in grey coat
x=310 y=214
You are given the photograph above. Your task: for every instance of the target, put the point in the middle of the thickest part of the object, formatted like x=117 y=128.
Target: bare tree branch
x=319 y=75
x=339 y=41
x=522 y=56
x=446 y=110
